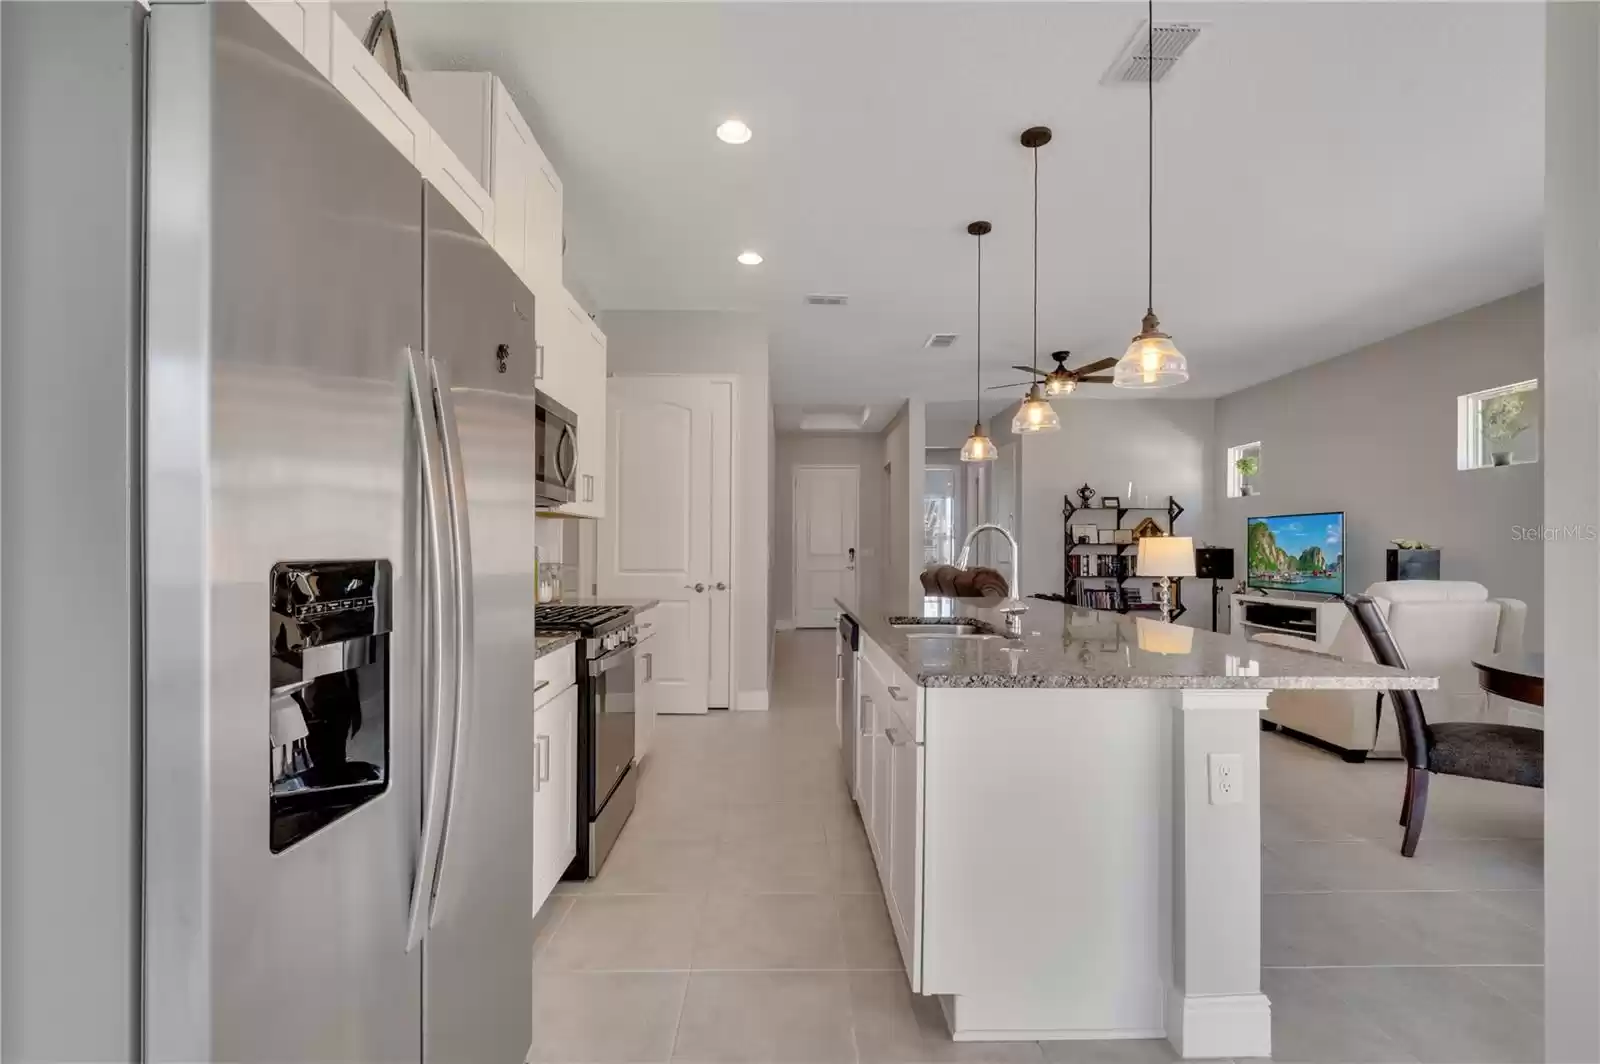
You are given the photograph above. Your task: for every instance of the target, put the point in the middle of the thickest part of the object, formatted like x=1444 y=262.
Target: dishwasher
x=846 y=705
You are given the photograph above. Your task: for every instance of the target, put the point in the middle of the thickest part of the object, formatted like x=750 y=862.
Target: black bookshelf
x=1122 y=568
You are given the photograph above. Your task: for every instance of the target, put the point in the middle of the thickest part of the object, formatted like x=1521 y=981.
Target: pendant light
x=1152 y=360
x=1035 y=414
x=979 y=447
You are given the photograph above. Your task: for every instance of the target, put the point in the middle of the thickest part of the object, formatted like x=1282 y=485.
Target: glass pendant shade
x=1151 y=361
x=979 y=447
x=1035 y=414
x=1054 y=386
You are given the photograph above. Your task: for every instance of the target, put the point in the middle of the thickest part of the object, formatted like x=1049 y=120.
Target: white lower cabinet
x=555 y=791
x=892 y=771
x=646 y=693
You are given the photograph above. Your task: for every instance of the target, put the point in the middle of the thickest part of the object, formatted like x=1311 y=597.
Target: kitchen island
x=1067 y=825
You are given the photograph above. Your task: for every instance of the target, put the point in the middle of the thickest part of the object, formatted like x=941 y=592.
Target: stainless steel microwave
x=555 y=453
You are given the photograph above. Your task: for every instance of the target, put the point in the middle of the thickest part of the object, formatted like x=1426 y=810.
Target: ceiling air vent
x=941 y=340
x=820 y=299
x=1172 y=39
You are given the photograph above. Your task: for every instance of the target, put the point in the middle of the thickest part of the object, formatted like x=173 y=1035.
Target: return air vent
x=1172 y=39
x=941 y=340
x=820 y=299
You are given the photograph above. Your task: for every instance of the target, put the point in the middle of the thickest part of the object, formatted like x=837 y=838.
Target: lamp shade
x=979 y=447
x=1166 y=556
x=1159 y=637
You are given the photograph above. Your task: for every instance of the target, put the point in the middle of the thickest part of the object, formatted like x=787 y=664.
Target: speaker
x=1214 y=563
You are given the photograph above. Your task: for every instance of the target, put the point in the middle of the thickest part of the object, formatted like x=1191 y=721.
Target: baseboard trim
x=752 y=700
x=1220 y=1025
x=783 y=626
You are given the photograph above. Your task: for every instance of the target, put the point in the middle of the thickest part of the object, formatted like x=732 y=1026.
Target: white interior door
x=666 y=531
x=825 y=541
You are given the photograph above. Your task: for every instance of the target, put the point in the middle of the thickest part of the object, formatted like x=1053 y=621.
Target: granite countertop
x=1067 y=646
x=549 y=642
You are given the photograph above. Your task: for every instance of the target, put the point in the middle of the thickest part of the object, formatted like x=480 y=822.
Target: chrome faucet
x=1013 y=607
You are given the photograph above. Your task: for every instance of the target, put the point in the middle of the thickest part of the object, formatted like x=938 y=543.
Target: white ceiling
x=1328 y=174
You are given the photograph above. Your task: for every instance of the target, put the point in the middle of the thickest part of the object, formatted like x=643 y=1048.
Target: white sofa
x=1440 y=626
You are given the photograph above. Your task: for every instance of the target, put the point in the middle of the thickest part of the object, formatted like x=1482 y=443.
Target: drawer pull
x=894 y=693
x=897 y=737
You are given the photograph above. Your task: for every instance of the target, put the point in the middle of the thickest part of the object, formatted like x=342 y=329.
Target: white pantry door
x=666 y=531
x=825 y=542
x=996 y=552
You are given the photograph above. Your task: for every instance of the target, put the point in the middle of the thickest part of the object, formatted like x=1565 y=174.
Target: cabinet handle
x=538 y=362
x=543 y=743
x=894 y=693
x=897 y=737
x=540 y=686
x=838 y=666
x=649 y=667
x=866 y=729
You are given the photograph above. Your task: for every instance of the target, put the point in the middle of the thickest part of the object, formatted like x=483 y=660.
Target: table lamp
x=1166 y=557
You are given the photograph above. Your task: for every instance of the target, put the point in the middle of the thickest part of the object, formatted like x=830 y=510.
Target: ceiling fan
x=1061 y=380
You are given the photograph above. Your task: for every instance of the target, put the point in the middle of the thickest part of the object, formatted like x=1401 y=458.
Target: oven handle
x=610 y=661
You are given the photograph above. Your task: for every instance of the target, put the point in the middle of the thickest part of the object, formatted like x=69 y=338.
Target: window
x=939 y=516
x=1244 y=470
x=1498 y=426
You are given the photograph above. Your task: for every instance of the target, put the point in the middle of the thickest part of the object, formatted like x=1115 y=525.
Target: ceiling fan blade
x=1096 y=380
x=1030 y=369
x=1095 y=367
x=1004 y=387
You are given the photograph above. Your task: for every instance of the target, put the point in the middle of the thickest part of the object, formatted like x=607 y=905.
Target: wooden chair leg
x=1416 y=808
x=1405 y=803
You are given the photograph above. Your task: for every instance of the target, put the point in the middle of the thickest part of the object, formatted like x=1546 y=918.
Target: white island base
x=1078 y=882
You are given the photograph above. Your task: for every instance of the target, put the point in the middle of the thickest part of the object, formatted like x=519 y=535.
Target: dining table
x=1519 y=677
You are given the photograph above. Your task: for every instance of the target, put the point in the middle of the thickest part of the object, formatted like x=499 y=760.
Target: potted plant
x=1248 y=467
x=1503 y=422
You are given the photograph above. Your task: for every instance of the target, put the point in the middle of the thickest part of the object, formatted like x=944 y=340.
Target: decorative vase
x=1500 y=458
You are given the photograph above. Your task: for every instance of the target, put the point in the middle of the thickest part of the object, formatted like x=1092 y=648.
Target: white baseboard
x=1220 y=1025
x=783 y=626
x=751 y=700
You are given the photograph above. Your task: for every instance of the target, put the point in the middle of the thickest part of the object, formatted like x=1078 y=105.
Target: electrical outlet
x=1226 y=773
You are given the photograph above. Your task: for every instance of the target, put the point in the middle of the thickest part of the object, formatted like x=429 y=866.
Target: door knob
x=721 y=586
x=694 y=587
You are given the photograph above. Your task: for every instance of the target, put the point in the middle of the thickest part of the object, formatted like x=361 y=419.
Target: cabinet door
x=357 y=75
x=878 y=829
x=306 y=24
x=513 y=153
x=646 y=703
x=904 y=889
x=865 y=707
x=445 y=170
x=555 y=792
x=542 y=225
x=583 y=369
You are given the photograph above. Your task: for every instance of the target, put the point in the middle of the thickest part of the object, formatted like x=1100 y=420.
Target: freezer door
x=284 y=260
x=478 y=953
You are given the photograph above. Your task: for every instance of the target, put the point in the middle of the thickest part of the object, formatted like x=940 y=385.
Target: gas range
x=604 y=628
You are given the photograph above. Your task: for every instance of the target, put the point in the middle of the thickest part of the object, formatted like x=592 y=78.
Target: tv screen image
x=1296 y=552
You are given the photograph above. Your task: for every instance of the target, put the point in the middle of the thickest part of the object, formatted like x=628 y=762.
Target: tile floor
x=739 y=918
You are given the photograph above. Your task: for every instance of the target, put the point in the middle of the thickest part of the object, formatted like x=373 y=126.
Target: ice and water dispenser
x=330 y=692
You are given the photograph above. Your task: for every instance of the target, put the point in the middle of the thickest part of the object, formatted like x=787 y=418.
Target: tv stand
x=1288 y=622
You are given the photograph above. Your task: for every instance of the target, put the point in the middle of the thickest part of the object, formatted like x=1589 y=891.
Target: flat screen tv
x=1296 y=552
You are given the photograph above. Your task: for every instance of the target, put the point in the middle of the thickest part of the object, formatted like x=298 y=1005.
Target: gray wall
x=1161 y=445
x=710 y=342
x=69 y=532
x=796 y=449
x=1373 y=433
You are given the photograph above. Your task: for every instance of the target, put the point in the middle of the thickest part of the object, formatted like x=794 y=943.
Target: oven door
x=612 y=678
x=555 y=453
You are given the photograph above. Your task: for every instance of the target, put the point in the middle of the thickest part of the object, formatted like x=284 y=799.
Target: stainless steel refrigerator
x=267 y=565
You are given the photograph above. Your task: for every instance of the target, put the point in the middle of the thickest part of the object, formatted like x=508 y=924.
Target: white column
x=1571 y=456
x=1215 y=1007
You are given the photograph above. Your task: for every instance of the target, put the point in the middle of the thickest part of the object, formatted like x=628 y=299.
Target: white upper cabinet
x=365 y=84
x=580 y=367
x=476 y=116
x=455 y=182
x=306 y=24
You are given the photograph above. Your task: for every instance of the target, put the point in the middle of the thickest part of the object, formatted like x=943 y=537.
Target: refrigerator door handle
x=461 y=542
x=442 y=669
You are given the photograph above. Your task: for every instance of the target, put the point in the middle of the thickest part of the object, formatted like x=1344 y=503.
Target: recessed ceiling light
x=750 y=258
x=733 y=131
